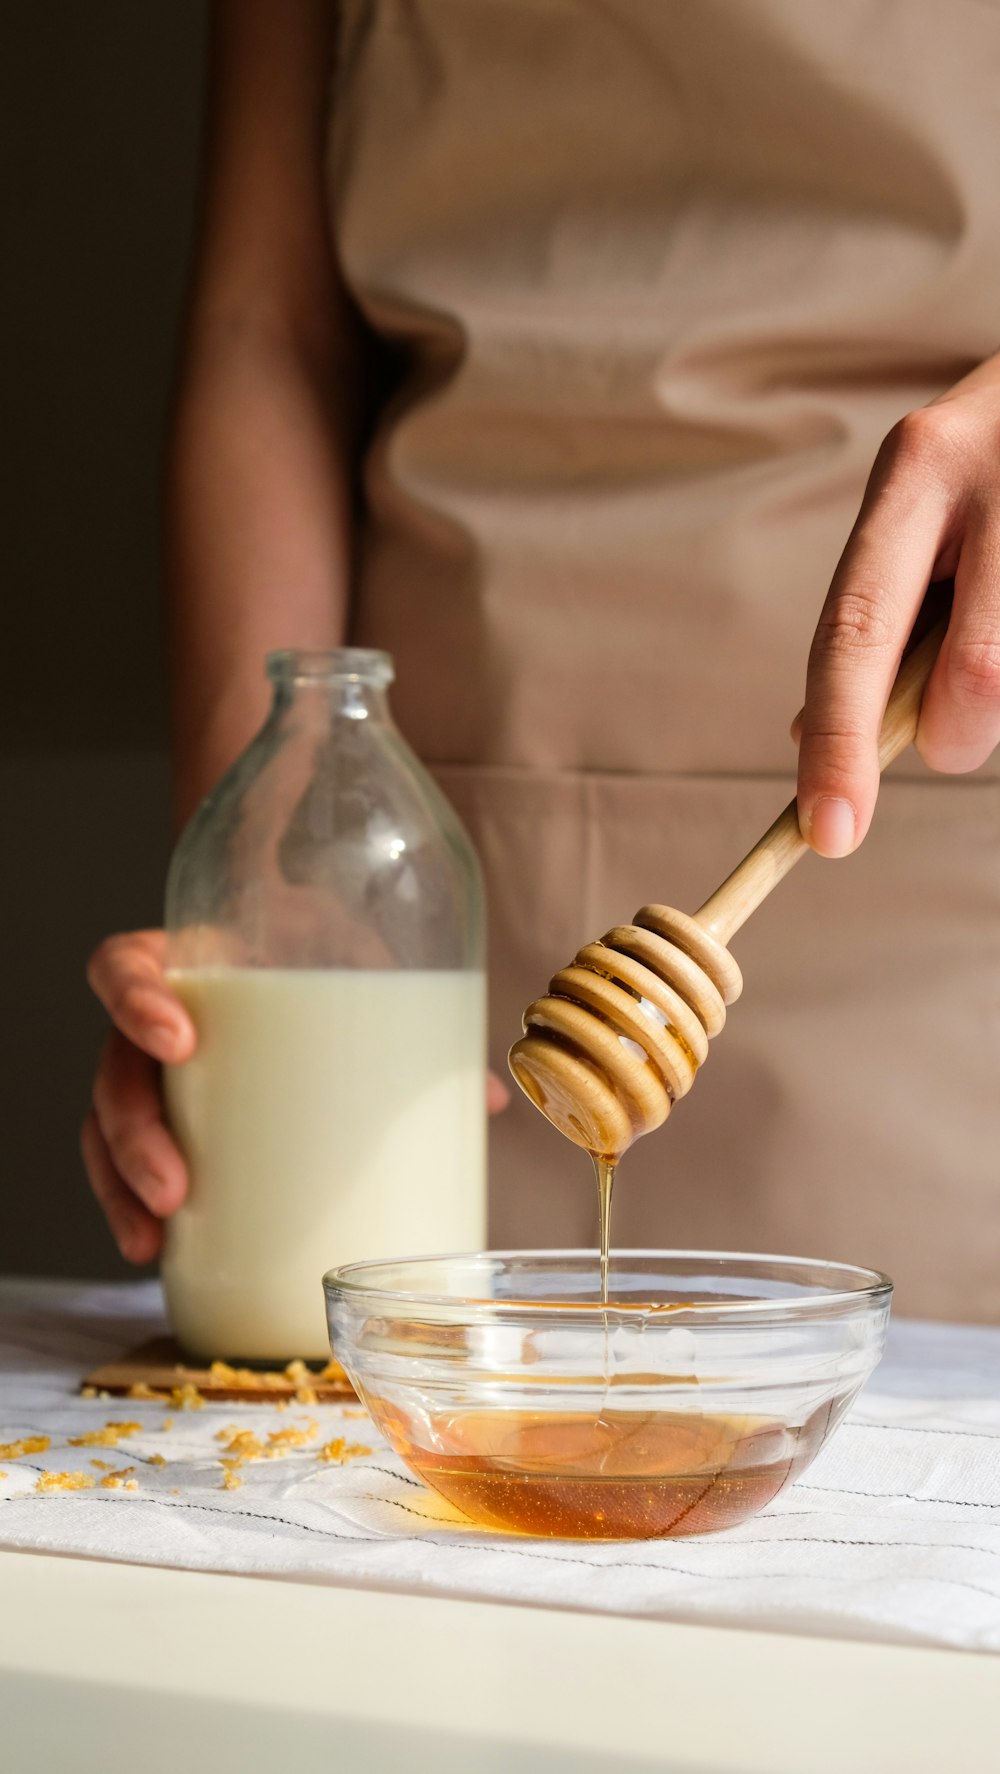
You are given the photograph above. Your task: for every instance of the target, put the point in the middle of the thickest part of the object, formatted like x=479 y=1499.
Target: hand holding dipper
x=621 y=1032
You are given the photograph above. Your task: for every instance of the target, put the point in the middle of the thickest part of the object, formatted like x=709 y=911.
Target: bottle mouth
x=341 y=665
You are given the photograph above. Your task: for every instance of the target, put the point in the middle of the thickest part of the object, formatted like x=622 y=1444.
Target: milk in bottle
x=326 y=936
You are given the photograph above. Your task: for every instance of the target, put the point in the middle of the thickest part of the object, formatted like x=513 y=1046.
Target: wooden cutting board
x=159 y=1367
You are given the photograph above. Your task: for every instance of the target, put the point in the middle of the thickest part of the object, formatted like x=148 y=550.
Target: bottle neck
x=349 y=684
x=322 y=704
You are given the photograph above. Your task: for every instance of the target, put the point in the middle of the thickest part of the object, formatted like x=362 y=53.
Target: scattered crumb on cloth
x=120 y=1480
x=242 y=1445
x=338 y=1451
x=108 y=1437
x=281 y=1441
x=29 y=1444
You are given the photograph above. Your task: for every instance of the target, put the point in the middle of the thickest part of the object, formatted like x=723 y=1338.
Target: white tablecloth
x=894 y=1533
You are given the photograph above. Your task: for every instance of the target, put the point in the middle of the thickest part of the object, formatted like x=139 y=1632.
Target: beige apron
x=661 y=274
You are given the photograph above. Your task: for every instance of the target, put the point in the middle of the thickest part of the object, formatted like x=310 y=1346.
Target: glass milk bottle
x=325 y=931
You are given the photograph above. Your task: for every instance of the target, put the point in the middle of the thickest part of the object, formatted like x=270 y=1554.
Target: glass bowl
x=707 y=1384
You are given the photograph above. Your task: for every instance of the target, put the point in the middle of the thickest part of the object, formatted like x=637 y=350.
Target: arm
x=258 y=533
x=931 y=511
x=260 y=476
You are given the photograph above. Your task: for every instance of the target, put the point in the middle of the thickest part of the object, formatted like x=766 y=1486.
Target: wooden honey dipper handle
x=783 y=845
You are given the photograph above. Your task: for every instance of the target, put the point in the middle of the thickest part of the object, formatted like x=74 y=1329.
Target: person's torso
x=662 y=276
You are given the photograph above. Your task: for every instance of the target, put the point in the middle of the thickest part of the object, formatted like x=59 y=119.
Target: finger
x=137 y=1234
x=127 y=974
x=129 y=1109
x=876 y=592
x=497 y=1094
x=960 y=713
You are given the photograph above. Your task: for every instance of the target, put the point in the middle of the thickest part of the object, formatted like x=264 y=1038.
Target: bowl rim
x=348 y=1279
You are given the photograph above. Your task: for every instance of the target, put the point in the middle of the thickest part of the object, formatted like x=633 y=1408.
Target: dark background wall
x=102 y=109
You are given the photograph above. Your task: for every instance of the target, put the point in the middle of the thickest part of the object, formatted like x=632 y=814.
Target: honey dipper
x=621 y=1032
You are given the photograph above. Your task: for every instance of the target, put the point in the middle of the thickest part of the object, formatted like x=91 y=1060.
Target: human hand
x=931 y=511
x=134 y=1166
x=497 y=1094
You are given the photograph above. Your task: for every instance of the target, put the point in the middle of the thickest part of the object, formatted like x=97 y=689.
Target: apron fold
x=850 y=1107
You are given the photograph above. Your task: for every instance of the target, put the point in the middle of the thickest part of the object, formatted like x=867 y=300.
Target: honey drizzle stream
x=606 y=1169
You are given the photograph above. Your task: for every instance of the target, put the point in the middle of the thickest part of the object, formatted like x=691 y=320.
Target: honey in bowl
x=620 y=1475
x=706 y=1384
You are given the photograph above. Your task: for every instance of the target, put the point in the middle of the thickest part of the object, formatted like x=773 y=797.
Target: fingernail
x=149 y=1186
x=163 y=1037
x=129 y=1235
x=133 y=1241
x=832 y=825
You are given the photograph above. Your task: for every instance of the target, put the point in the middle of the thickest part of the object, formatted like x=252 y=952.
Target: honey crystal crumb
x=103 y=1465
x=231 y=1481
x=29 y=1444
x=156 y=1460
x=117 y=1481
x=248 y=1379
x=338 y=1451
x=244 y=1379
x=281 y=1441
x=141 y=1390
x=306 y=1395
x=64 y=1481
x=222 y=1374
x=108 y=1437
x=243 y=1445
x=167 y=1424
x=186 y=1397
x=88 y=1391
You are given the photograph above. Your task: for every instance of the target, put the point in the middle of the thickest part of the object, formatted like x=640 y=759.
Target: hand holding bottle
x=134 y=1166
